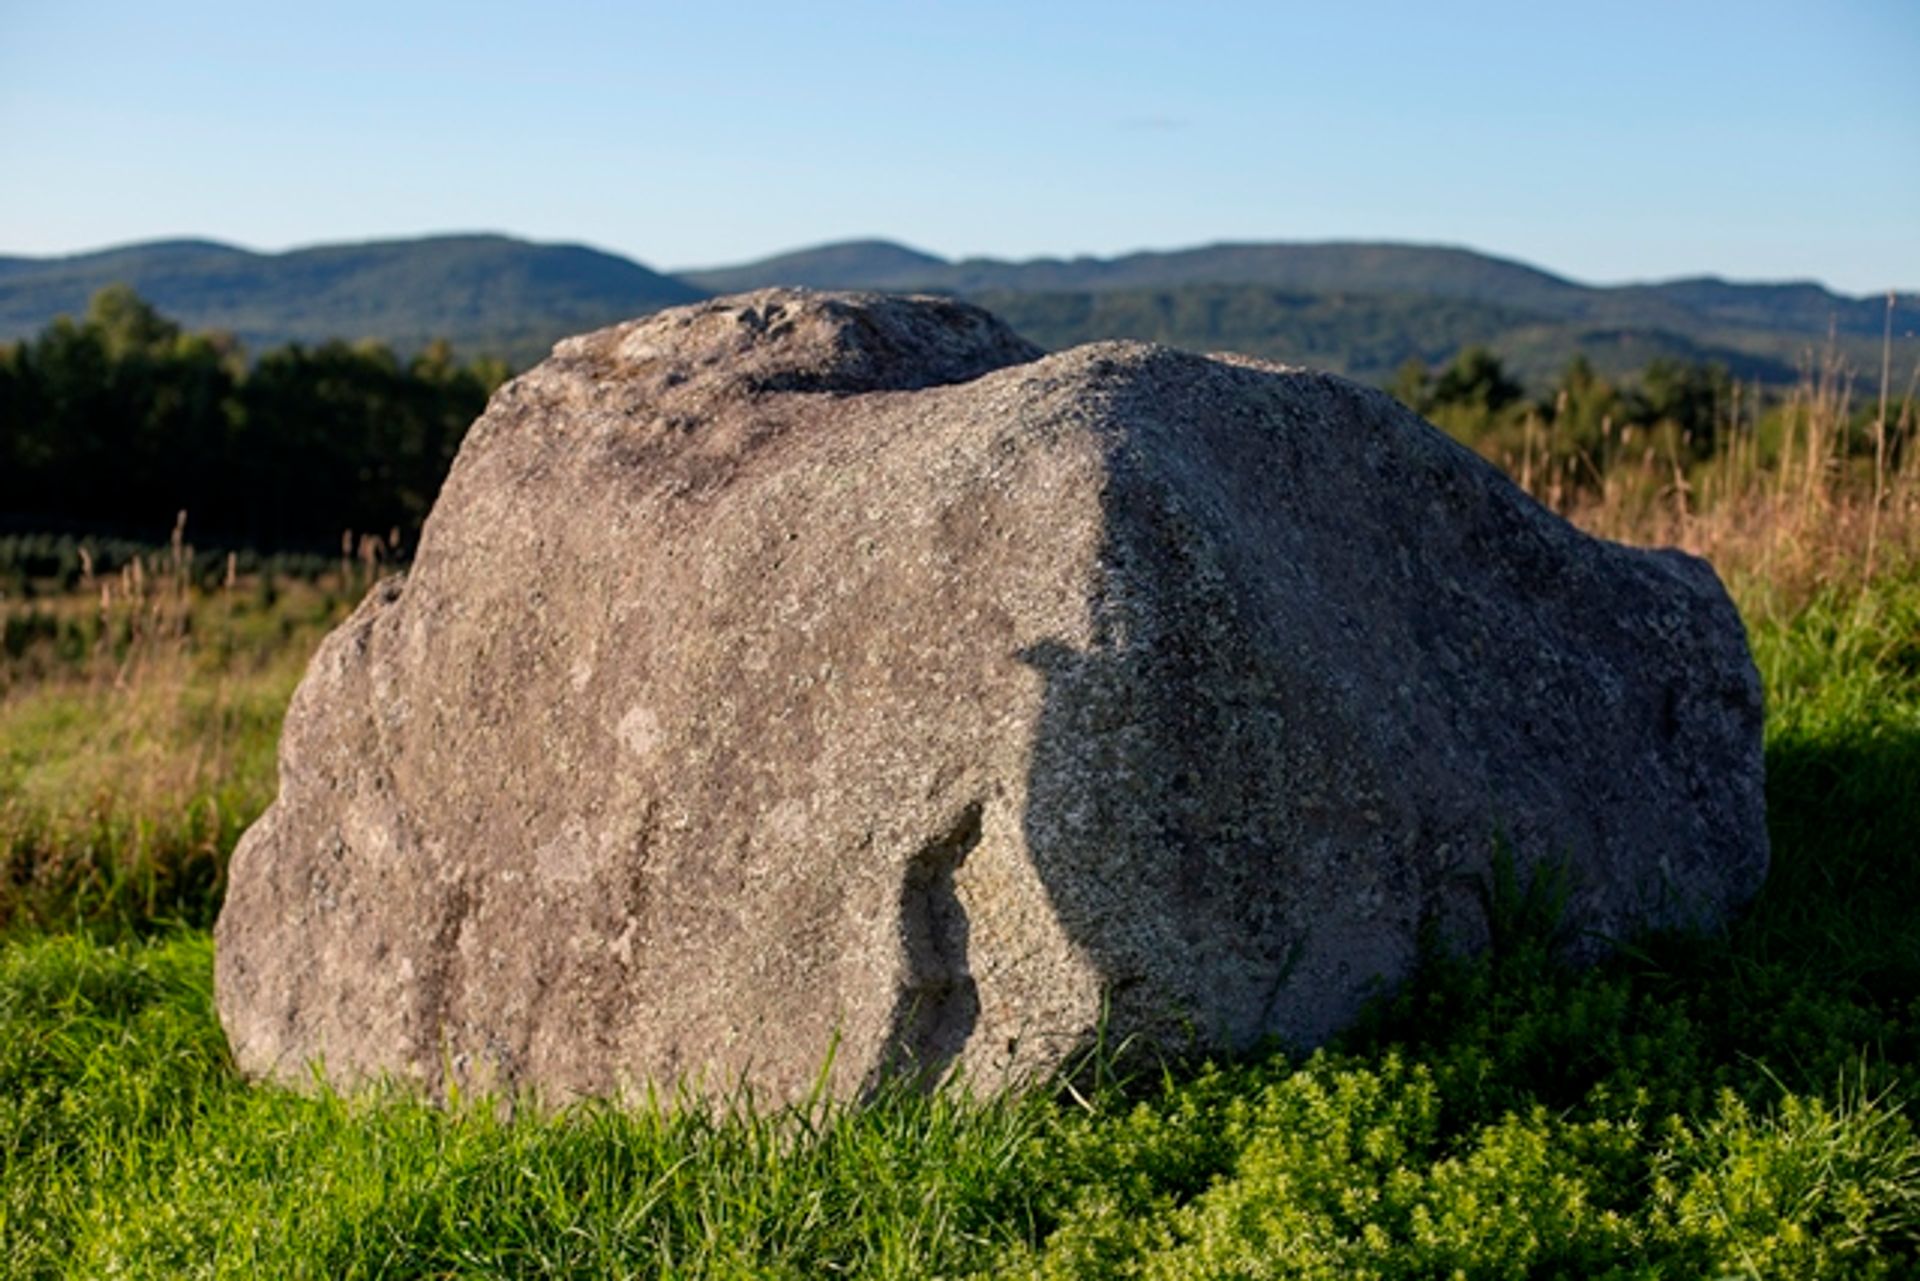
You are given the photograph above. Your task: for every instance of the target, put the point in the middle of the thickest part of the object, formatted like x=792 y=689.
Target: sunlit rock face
x=800 y=683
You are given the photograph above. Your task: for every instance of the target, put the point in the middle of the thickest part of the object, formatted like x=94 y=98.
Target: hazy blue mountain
x=1802 y=304
x=482 y=293
x=1303 y=268
x=1361 y=308
x=852 y=264
x=1356 y=267
x=1365 y=336
x=1334 y=268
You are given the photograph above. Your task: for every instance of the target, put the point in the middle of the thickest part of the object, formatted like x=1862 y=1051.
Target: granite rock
x=796 y=675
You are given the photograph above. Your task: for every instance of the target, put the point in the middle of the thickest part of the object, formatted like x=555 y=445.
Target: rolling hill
x=489 y=294
x=1298 y=268
x=1357 y=267
x=1361 y=308
x=1358 y=308
x=1364 y=336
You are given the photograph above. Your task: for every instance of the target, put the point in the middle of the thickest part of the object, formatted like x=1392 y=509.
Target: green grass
x=1729 y=1106
x=137 y=741
x=130 y=1149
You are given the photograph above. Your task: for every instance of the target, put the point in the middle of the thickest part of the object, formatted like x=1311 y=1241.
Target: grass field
x=1729 y=1106
x=138 y=724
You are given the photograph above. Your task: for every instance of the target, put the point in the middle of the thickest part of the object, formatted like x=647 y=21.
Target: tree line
x=114 y=422
x=118 y=420
x=1475 y=399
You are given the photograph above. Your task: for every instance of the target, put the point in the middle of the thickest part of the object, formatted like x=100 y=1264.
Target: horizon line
x=189 y=238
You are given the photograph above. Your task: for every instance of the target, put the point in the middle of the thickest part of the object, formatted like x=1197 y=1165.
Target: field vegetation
x=1736 y=1105
x=118 y=419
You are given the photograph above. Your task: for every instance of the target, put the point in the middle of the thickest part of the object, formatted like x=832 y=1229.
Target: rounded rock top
x=798 y=340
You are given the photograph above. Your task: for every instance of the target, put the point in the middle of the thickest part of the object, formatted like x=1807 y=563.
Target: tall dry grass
x=1794 y=501
x=139 y=718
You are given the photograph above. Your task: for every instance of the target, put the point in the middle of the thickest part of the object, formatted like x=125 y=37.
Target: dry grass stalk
x=142 y=726
x=1782 y=513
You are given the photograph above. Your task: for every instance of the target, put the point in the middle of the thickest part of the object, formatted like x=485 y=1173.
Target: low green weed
x=1736 y=1105
x=129 y=1148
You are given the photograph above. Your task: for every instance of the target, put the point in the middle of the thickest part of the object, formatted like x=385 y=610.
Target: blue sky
x=1608 y=142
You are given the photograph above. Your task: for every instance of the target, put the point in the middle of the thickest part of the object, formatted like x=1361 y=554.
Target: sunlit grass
x=1735 y=1105
x=137 y=741
x=1699 y=1107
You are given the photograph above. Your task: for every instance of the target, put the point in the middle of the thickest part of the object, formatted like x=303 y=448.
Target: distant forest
x=113 y=423
x=117 y=421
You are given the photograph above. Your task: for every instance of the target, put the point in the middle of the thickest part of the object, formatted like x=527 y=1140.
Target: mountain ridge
x=482 y=291
x=1321 y=266
x=1356 y=306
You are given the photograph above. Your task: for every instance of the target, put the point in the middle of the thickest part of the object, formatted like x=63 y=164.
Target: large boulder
x=798 y=677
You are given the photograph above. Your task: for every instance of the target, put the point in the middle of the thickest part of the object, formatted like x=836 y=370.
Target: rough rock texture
x=793 y=670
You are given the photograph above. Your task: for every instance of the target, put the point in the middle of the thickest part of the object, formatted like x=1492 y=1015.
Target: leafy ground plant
x=1731 y=1106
